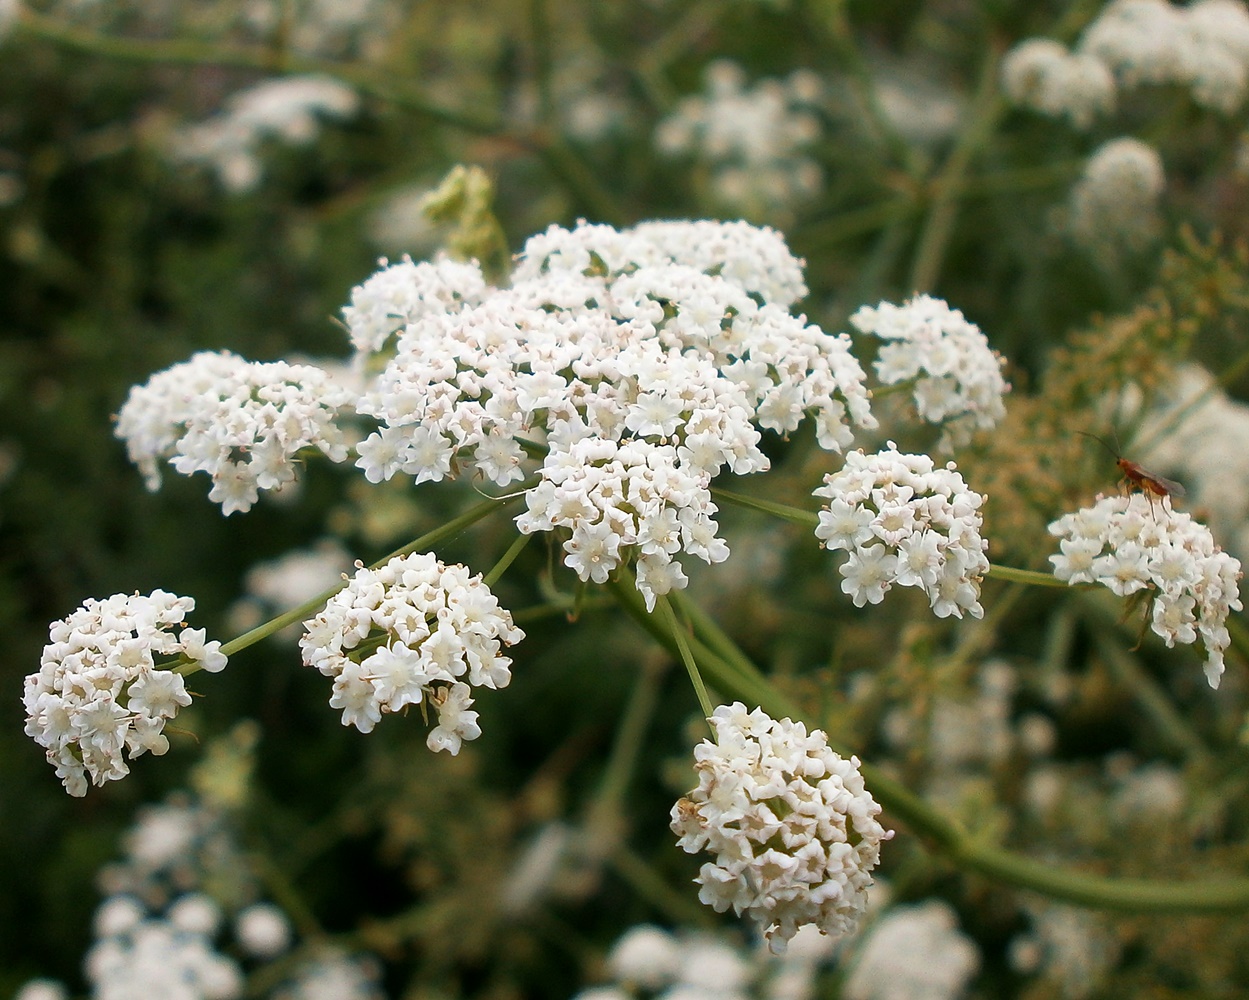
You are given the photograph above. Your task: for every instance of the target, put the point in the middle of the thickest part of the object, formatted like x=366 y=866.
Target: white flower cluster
x=243 y=422
x=752 y=137
x=414 y=631
x=914 y=953
x=1114 y=204
x=1045 y=76
x=284 y=109
x=1203 y=47
x=792 y=827
x=642 y=361
x=1131 y=543
x=171 y=956
x=903 y=520
x=403 y=293
x=755 y=258
x=957 y=377
x=99 y=692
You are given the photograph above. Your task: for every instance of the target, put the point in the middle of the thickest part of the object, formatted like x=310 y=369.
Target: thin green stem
x=563 y=162
x=1028 y=576
x=186 y=52
x=681 y=640
x=934 y=239
x=795 y=515
x=508 y=557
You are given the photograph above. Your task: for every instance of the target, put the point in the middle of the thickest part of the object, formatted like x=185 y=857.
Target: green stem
x=934 y=239
x=944 y=834
x=1028 y=576
x=795 y=515
x=186 y=52
x=687 y=657
x=507 y=559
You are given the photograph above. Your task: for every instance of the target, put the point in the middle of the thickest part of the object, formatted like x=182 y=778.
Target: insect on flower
x=1138 y=477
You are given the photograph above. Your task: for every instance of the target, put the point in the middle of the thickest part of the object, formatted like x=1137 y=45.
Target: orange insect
x=1138 y=477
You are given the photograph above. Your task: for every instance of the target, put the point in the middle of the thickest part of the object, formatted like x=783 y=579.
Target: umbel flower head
x=414 y=632
x=243 y=422
x=957 y=377
x=903 y=520
x=99 y=692
x=1136 y=543
x=642 y=362
x=792 y=827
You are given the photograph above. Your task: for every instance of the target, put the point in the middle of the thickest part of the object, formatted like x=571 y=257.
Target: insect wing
x=1163 y=486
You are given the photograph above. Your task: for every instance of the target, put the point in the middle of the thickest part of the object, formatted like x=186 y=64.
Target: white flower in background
x=9 y=11
x=913 y=953
x=682 y=965
x=326 y=27
x=1066 y=945
x=754 y=138
x=1203 y=47
x=99 y=692
x=416 y=631
x=42 y=989
x=286 y=110
x=263 y=930
x=400 y=226
x=792 y=827
x=404 y=292
x=1134 y=543
x=243 y=422
x=645 y=956
x=1043 y=75
x=1114 y=205
x=135 y=955
x=902 y=520
x=277 y=585
x=637 y=363
x=957 y=377
x=1199 y=434
x=334 y=975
